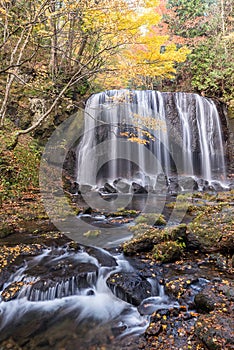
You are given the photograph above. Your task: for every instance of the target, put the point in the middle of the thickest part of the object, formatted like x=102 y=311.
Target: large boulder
x=138 y=189
x=122 y=186
x=109 y=188
x=187 y=183
x=130 y=287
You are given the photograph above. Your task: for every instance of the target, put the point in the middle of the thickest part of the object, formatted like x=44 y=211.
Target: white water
x=67 y=299
x=193 y=141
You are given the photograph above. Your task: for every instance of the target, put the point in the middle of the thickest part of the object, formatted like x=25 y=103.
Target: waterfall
x=144 y=133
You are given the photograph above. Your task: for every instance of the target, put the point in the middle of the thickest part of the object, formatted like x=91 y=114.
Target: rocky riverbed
x=175 y=282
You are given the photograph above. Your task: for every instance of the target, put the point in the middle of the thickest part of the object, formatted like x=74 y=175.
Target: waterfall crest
x=144 y=133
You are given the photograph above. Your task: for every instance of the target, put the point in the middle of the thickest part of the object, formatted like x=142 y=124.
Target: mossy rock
x=139 y=229
x=149 y=238
x=175 y=233
x=92 y=233
x=144 y=242
x=168 y=252
x=6 y=230
x=151 y=219
x=124 y=212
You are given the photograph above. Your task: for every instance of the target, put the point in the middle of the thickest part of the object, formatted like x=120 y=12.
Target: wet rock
x=192 y=242
x=122 y=186
x=138 y=189
x=168 y=251
x=216 y=331
x=129 y=287
x=12 y=291
x=88 y=211
x=207 y=299
x=74 y=188
x=149 y=189
x=203 y=184
x=109 y=188
x=103 y=257
x=217 y=186
x=162 y=180
x=174 y=186
x=85 y=188
x=188 y=183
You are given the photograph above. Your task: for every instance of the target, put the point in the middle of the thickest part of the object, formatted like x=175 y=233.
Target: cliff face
x=228 y=134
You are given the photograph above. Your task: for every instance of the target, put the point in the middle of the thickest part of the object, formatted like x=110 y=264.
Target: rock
x=216 y=185
x=85 y=188
x=168 y=251
x=174 y=186
x=162 y=180
x=138 y=189
x=192 y=242
x=203 y=184
x=138 y=245
x=109 y=189
x=103 y=257
x=187 y=183
x=130 y=287
x=207 y=299
x=74 y=189
x=161 y=183
x=122 y=186
x=216 y=331
x=12 y=291
x=149 y=189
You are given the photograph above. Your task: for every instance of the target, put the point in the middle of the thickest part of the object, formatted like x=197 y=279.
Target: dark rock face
x=138 y=189
x=109 y=189
x=188 y=183
x=130 y=287
x=174 y=186
x=205 y=300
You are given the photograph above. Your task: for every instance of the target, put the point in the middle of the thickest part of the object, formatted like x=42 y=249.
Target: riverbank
x=198 y=280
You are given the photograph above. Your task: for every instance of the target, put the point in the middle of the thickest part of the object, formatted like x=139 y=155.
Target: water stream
x=61 y=284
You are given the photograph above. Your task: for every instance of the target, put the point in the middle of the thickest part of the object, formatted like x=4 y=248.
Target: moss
x=213 y=227
x=152 y=236
x=92 y=233
x=124 y=212
x=151 y=219
x=18 y=166
x=139 y=229
x=5 y=230
x=168 y=251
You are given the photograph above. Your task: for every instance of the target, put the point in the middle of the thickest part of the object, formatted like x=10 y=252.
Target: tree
x=206 y=26
x=53 y=49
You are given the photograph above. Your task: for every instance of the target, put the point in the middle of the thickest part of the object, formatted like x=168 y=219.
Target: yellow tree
x=150 y=55
x=52 y=48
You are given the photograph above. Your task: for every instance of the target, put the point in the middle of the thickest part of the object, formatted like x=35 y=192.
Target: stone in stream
x=174 y=186
x=122 y=186
x=130 y=287
x=85 y=188
x=109 y=188
x=187 y=183
x=138 y=189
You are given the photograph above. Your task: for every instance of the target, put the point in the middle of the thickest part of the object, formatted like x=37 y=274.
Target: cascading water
x=184 y=136
x=63 y=295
